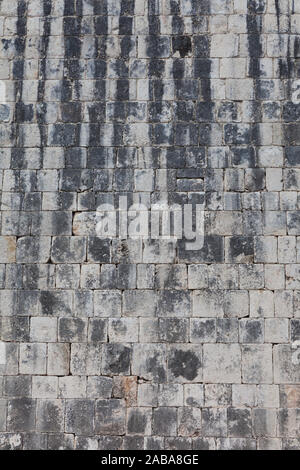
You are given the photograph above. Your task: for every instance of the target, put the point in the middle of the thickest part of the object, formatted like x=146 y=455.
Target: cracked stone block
x=193 y=395
x=139 y=303
x=185 y=363
x=170 y=395
x=72 y=387
x=239 y=422
x=116 y=359
x=50 y=415
x=283 y=354
x=189 y=421
x=214 y=422
x=264 y=422
x=33 y=358
x=257 y=363
x=72 y=330
x=79 y=416
x=164 y=421
x=21 y=414
x=33 y=249
x=7 y=249
x=110 y=417
x=251 y=331
x=222 y=363
x=99 y=387
x=44 y=387
x=217 y=395
x=58 y=359
x=149 y=361
x=148 y=394
x=139 y=421
x=243 y=395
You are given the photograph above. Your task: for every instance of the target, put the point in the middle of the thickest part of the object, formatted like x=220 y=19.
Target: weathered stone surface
x=110 y=417
x=222 y=363
x=128 y=321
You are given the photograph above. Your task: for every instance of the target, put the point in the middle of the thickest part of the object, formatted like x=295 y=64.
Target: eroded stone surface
x=128 y=343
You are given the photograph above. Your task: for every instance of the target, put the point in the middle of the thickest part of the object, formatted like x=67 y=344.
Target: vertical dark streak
x=100 y=44
x=206 y=94
x=123 y=84
x=18 y=75
x=19 y=65
x=156 y=74
x=178 y=72
x=254 y=31
x=277 y=13
x=206 y=82
x=290 y=62
x=285 y=65
x=41 y=106
x=71 y=64
x=79 y=12
x=178 y=66
x=44 y=48
x=287 y=71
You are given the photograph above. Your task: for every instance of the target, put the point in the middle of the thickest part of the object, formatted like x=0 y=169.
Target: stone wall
x=122 y=343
